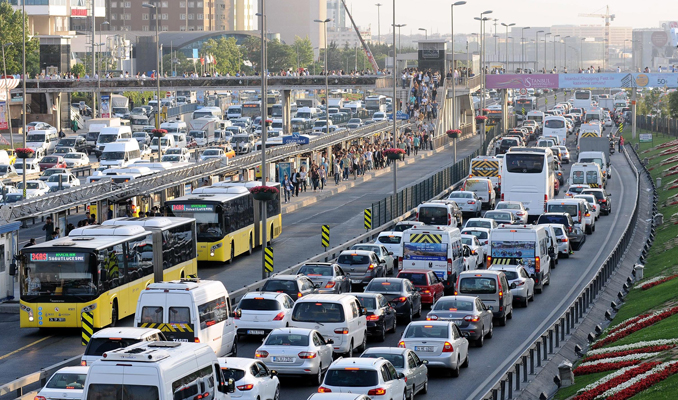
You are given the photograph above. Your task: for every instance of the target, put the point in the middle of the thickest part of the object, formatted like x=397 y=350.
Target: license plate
x=253 y=332
x=423 y=348
x=456 y=322
x=356 y=281
x=283 y=359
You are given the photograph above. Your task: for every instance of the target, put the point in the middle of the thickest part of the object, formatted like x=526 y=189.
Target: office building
x=347 y=37
x=235 y=15
x=173 y=15
x=337 y=13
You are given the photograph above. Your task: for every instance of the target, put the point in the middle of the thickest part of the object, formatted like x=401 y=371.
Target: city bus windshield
x=207 y=219
x=57 y=273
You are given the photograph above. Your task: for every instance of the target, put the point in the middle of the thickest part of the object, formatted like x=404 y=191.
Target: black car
x=295 y=286
x=576 y=236
x=79 y=143
x=381 y=316
x=401 y=293
x=603 y=199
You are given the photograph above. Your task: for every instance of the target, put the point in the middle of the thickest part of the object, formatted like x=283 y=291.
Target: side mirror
x=513 y=285
x=274 y=373
x=329 y=341
x=390 y=253
x=12 y=269
x=363 y=311
x=401 y=375
x=425 y=362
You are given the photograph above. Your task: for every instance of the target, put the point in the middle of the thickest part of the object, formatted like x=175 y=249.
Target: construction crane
x=608 y=17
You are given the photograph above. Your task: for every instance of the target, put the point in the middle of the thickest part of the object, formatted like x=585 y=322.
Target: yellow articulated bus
x=102 y=269
x=228 y=219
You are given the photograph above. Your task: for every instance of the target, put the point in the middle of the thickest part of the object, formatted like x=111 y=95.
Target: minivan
x=440 y=212
x=120 y=153
x=201 y=308
x=109 y=339
x=492 y=288
x=483 y=188
x=437 y=249
x=45 y=140
x=339 y=317
x=111 y=134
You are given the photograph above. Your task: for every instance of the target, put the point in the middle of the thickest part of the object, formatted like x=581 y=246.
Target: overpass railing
x=182 y=109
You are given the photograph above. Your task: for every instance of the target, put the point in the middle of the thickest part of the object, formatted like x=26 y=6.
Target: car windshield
x=210 y=153
x=196 y=134
x=479 y=224
x=427 y=331
x=72 y=155
x=384 y=287
x=352 y=259
x=401 y=227
x=259 y=304
x=558 y=231
x=524 y=163
x=113 y=155
x=366 y=248
x=316 y=270
x=4 y=169
x=598 y=194
x=418 y=279
x=55 y=178
x=370 y=303
x=29 y=185
x=318 y=312
x=453 y=305
x=460 y=195
x=390 y=239
x=66 y=381
x=350 y=377
x=499 y=216
x=397 y=360
x=68 y=142
x=477 y=285
x=286 y=339
x=35 y=138
x=171 y=158
x=98 y=346
x=49 y=160
x=467 y=241
x=276 y=285
x=508 y=206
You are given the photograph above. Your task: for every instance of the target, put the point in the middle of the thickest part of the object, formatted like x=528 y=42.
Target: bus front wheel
x=230 y=260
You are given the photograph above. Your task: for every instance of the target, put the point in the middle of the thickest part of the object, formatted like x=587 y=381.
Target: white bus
x=583 y=99
x=528 y=177
x=376 y=103
x=557 y=127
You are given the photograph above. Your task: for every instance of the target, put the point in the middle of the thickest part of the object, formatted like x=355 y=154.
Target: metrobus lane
x=487 y=364
x=300 y=240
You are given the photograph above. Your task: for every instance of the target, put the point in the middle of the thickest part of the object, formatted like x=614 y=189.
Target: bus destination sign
x=49 y=257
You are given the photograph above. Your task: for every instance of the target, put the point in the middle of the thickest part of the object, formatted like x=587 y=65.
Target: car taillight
x=579 y=215
x=473 y=252
x=502 y=197
x=569 y=229
x=501 y=290
x=39 y=398
x=432 y=317
x=299 y=295
x=587 y=215
x=471 y=202
x=83 y=363
x=371 y=266
x=471 y=318
x=546 y=198
x=279 y=317
x=401 y=344
x=376 y=392
x=330 y=285
x=400 y=263
x=245 y=387
x=307 y=355
x=341 y=331
x=417 y=216
x=449 y=265
x=603 y=201
x=323 y=389
x=373 y=317
x=489 y=261
x=520 y=213
x=261 y=354
x=449 y=219
x=537 y=264
x=400 y=300
x=196 y=340
x=447 y=348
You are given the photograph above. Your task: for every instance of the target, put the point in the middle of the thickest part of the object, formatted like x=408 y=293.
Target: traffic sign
x=268 y=259
x=295 y=134
x=368 y=219
x=295 y=139
x=523 y=91
x=326 y=236
x=87 y=327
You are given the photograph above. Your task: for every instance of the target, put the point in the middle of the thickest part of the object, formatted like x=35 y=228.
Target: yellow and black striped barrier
x=169 y=327
x=87 y=327
x=268 y=258
x=501 y=261
x=326 y=236
x=368 y=219
x=426 y=238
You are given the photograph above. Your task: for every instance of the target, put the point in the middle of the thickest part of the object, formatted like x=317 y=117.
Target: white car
x=260 y=313
x=211 y=154
x=31 y=166
x=608 y=122
x=379 y=116
x=591 y=199
x=75 y=160
x=516 y=208
x=520 y=283
x=40 y=126
x=67 y=383
x=488 y=223
x=297 y=352
x=483 y=235
x=406 y=362
x=34 y=187
x=563 y=241
x=370 y=376
x=468 y=202
x=67 y=180
x=253 y=380
x=477 y=249
x=184 y=153
x=391 y=240
x=439 y=342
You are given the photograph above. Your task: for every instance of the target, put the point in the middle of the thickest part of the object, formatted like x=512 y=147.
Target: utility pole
x=379 y=21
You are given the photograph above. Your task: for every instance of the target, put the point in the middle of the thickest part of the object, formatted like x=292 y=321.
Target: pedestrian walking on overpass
x=48 y=228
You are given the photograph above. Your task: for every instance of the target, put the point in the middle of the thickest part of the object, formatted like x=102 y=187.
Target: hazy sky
x=434 y=15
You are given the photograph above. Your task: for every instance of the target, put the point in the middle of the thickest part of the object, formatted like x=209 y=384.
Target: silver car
x=296 y=352
x=439 y=342
x=468 y=202
x=406 y=362
x=516 y=208
x=328 y=277
x=382 y=253
x=520 y=283
x=469 y=313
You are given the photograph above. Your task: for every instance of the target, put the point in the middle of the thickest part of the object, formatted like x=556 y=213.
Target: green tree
x=227 y=53
x=280 y=55
x=181 y=64
x=303 y=51
x=673 y=104
x=11 y=32
x=78 y=69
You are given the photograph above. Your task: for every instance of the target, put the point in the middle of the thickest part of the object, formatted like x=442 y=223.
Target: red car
x=52 y=162
x=429 y=285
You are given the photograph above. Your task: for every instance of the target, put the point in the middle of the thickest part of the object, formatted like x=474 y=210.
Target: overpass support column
x=287 y=111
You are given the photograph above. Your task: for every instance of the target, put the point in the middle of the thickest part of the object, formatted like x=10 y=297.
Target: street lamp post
x=400 y=43
x=157 y=72
x=482 y=69
x=522 y=47
x=395 y=103
x=7 y=108
x=327 y=73
x=454 y=69
x=555 y=60
x=546 y=35
x=536 y=50
x=565 y=52
x=23 y=88
x=425 y=31
x=506 y=43
x=379 y=21
x=264 y=127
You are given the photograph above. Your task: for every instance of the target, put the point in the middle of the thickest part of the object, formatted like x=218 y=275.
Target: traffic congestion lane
x=299 y=241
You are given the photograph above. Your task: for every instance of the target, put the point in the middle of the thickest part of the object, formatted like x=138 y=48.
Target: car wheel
x=230 y=260
x=363 y=345
x=382 y=333
x=394 y=326
x=114 y=313
x=481 y=340
x=234 y=348
x=424 y=389
x=465 y=364
x=276 y=396
x=408 y=317
x=350 y=350
x=510 y=315
x=411 y=395
x=491 y=332
x=455 y=371
x=318 y=377
x=502 y=321
x=588 y=230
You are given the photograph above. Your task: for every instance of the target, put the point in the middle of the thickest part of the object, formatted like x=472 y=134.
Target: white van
x=234 y=112
x=112 y=134
x=437 y=249
x=526 y=245
x=586 y=174
x=339 y=317
x=41 y=139
x=208 y=112
x=440 y=213
x=483 y=188
x=166 y=142
x=158 y=371
x=202 y=308
x=120 y=153
x=177 y=126
x=109 y=339
x=597 y=157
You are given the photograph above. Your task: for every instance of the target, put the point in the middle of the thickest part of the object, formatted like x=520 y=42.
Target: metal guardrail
x=182 y=109
x=549 y=340
x=18 y=386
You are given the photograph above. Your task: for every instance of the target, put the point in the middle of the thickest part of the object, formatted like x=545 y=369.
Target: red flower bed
x=264 y=189
x=598 y=390
x=602 y=367
x=655 y=283
x=481 y=118
x=635 y=328
x=651 y=349
x=645 y=383
x=393 y=151
x=628 y=322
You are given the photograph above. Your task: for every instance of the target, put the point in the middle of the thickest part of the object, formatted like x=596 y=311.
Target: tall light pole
x=546 y=35
x=327 y=74
x=400 y=43
x=94 y=62
x=495 y=38
x=522 y=47
x=24 y=20
x=425 y=31
x=379 y=21
x=454 y=68
x=101 y=28
x=482 y=69
x=264 y=128
x=581 y=53
x=506 y=43
x=536 y=50
x=565 y=52
x=7 y=110
x=157 y=72
x=555 y=60
x=395 y=97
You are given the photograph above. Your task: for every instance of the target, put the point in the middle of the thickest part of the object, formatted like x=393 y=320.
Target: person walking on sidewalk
x=621 y=143
x=337 y=171
x=323 y=177
x=287 y=186
x=295 y=182
x=303 y=176
x=417 y=142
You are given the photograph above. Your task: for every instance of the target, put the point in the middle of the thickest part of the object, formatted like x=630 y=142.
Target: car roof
x=78 y=369
x=479 y=272
x=326 y=297
x=501 y=267
x=476 y=228
x=387 y=350
x=235 y=362
x=481 y=219
x=390 y=233
x=358 y=252
x=285 y=277
x=416 y=323
x=293 y=331
x=125 y=333
x=265 y=295
x=357 y=362
x=459 y=297
x=467 y=236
